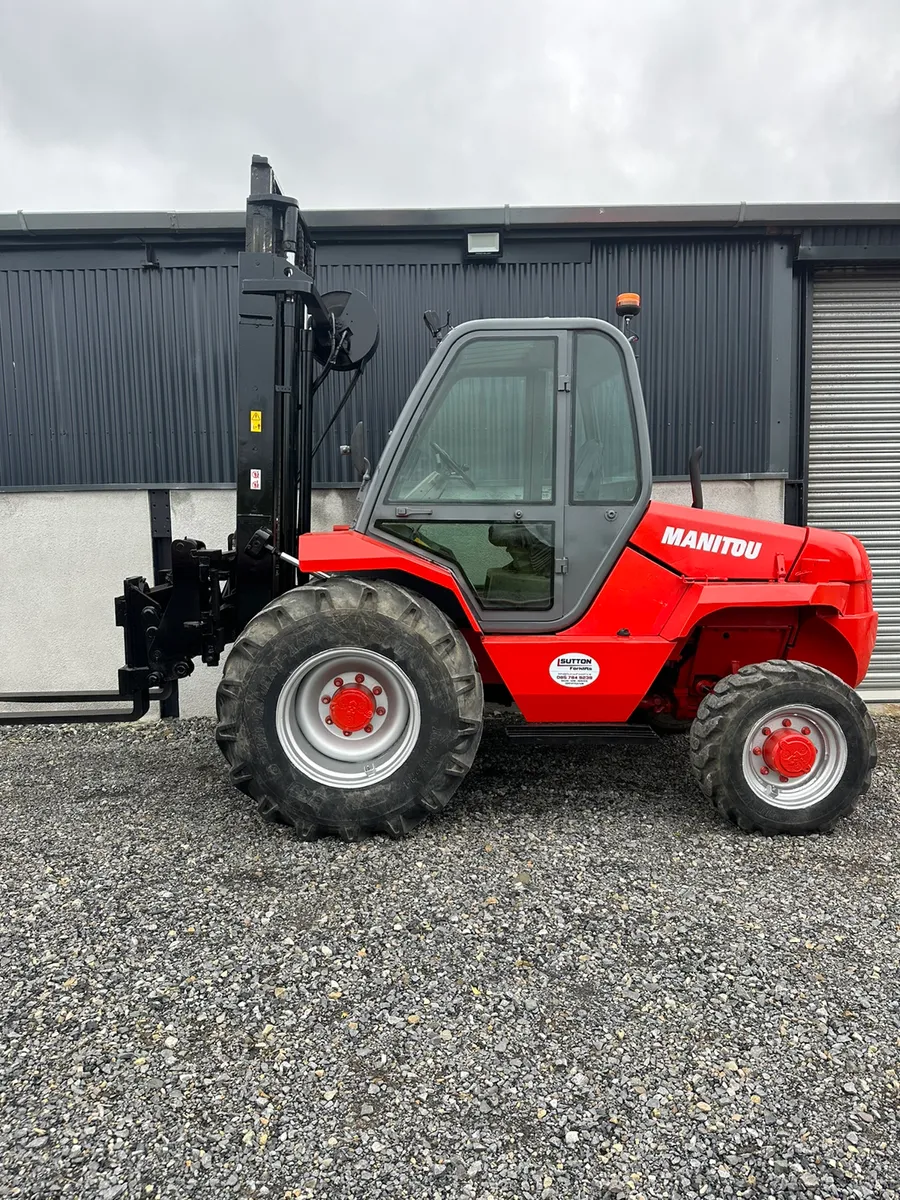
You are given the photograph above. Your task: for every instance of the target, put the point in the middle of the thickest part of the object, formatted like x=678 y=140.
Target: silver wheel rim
x=320 y=747
x=820 y=729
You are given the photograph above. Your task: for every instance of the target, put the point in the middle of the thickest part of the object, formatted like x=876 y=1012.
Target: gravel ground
x=577 y=983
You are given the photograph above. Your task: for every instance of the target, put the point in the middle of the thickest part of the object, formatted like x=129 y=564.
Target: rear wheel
x=350 y=707
x=783 y=747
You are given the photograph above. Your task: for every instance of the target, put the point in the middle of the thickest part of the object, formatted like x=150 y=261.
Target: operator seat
x=526 y=580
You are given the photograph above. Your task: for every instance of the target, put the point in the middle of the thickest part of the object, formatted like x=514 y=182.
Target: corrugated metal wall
x=121 y=375
x=853 y=235
x=704 y=334
x=116 y=375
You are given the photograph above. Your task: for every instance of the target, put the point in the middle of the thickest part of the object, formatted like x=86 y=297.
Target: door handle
x=413 y=512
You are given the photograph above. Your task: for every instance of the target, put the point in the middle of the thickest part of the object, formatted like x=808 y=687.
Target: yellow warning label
x=255 y=420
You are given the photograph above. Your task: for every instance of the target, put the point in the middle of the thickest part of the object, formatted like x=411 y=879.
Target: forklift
x=506 y=549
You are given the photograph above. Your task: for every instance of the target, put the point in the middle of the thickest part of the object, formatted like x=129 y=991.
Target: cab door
x=477 y=481
x=608 y=468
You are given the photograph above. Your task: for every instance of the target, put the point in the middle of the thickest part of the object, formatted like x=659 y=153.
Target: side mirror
x=437 y=330
x=358 y=452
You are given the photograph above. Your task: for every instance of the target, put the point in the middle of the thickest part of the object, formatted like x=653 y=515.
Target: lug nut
x=763 y=770
x=766 y=731
x=756 y=750
x=339 y=682
x=360 y=678
x=786 y=722
x=805 y=729
x=376 y=691
x=328 y=721
x=347 y=732
x=380 y=710
x=782 y=778
x=326 y=699
x=368 y=729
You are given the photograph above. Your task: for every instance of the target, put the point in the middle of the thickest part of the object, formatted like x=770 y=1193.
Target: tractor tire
x=349 y=707
x=783 y=747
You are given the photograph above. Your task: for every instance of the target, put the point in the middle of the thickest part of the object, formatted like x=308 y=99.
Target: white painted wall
x=208 y=514
x=762 y=499
x=63 y=556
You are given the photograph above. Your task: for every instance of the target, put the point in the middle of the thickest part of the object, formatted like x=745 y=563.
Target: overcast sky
x=111 y=104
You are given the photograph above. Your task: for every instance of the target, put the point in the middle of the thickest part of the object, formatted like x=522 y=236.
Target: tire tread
x=345 y=594
x=718 y=716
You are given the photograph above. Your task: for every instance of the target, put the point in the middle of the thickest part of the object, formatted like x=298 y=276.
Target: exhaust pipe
x=694 y=472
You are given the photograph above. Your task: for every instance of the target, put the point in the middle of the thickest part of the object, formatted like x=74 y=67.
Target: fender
x=344 y=551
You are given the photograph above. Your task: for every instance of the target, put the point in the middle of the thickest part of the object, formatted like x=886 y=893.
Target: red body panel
x=708 y=545
x=696 y=593
x=638 y=595
x=832 y=557
x=627 y=667
x=621 y=632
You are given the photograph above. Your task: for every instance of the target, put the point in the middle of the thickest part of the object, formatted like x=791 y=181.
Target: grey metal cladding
x=852 y=235
x=115 y=373
x=705 y=336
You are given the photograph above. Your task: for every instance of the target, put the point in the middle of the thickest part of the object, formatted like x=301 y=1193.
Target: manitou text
x=715 y=543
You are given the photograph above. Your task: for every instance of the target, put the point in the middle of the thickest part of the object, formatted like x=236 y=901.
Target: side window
x=487 y=434
x=604 y=442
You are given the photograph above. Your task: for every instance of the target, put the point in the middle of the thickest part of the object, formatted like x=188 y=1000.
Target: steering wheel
x=451 y=466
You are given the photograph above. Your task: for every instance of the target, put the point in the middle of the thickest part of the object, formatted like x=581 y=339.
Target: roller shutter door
x=854 y=439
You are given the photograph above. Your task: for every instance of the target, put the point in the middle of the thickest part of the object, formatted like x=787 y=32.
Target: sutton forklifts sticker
x=574 y=670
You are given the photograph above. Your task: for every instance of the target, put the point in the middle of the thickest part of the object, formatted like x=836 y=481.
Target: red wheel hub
x=352 y=707
x=789 y=753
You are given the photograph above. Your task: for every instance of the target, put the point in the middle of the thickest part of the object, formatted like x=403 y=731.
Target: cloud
x=110 y=105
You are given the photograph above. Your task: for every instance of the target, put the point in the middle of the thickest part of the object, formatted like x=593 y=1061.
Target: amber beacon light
x=628 y=304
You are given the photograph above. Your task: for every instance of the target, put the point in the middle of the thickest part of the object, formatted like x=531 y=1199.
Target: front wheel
x=350 y=707
x=783 y=747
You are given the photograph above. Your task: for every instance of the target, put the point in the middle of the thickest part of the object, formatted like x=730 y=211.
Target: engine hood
x=830 y=557
x=701 y=544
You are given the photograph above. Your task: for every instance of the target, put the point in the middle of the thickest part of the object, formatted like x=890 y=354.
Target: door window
x=507 y=564
x=604 y=445
x=487 y=436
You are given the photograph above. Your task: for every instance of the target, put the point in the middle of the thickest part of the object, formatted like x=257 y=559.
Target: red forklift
x=506 y=550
